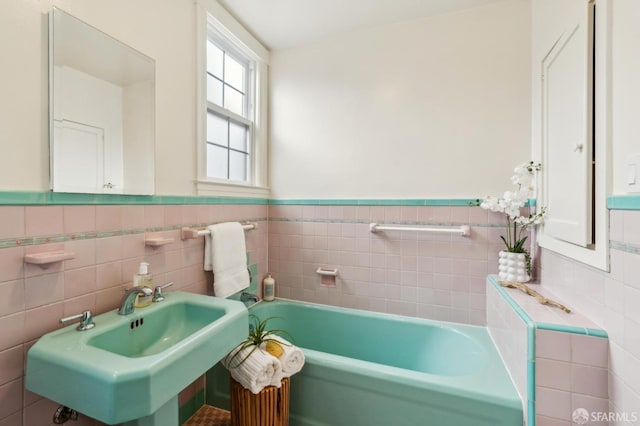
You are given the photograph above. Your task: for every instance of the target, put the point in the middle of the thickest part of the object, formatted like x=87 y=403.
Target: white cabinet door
x=567 y=126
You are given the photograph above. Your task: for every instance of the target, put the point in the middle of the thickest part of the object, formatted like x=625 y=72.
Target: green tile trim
x=23 y=198
x=190 y=407
x=442 y=202
x=594 y=332
x=451 y=202
x=531 y=413
x=623 y=202
x=26 y=198
x=531 y=383
x=29 y=198
x=625 y=247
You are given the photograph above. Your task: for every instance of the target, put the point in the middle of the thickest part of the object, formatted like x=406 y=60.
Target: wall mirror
x=101 y=111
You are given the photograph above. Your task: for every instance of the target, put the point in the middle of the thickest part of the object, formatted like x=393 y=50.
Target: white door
x=78 y=155
x=567 y=134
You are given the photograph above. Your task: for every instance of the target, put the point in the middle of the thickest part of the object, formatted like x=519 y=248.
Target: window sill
x=228 y=189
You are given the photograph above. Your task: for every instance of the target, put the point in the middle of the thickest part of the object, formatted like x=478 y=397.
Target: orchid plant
x=511 y=203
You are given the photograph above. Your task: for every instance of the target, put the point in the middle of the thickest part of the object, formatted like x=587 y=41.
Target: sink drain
x=137 y=323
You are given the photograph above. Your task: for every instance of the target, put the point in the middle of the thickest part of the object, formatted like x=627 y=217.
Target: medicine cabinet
x=570 y=125
x=102 y=111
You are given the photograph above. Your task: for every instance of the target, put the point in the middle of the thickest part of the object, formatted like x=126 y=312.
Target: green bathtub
x=366 y=369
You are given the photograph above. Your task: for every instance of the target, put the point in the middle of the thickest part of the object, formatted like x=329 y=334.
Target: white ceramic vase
x=513 y=267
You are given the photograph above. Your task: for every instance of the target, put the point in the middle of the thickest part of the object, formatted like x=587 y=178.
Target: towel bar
x=188 y=233
x=463 y=230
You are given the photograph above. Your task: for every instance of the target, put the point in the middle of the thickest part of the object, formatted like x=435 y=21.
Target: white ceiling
x=281 y=24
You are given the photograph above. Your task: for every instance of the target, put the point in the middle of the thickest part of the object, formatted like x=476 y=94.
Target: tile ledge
x=546 y=317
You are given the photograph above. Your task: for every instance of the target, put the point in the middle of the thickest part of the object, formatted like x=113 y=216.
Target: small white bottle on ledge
x=268 y=288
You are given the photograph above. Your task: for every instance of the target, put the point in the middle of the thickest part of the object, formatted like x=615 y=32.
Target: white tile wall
x=509 y=333
x=613 y=302
x=571 y=370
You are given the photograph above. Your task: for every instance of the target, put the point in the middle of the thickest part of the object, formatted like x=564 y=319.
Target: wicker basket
x=270 y=407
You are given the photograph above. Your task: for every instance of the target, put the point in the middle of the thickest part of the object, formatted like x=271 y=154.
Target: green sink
x=129 y=366
x=158 y=331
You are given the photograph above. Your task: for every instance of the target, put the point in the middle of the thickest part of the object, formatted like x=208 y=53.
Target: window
x=232 y=106
x=229 y=113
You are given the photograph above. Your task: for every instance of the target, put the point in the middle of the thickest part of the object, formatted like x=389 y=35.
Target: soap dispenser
x=143 y=278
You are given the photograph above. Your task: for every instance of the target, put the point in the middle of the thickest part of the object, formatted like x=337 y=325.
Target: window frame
x=216 y=24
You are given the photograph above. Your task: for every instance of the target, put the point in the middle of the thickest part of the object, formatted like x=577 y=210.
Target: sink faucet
x=128 y=300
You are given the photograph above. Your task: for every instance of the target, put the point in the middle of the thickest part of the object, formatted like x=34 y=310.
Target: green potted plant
x=258 y=337
x=259 y=393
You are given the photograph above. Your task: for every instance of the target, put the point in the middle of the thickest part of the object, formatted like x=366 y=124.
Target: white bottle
x=268 y=288
x=143 y=278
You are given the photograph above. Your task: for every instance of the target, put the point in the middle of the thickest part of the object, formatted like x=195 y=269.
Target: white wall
x=625 y=88
x=436 y=107
x=405 y=110
x=163 y=30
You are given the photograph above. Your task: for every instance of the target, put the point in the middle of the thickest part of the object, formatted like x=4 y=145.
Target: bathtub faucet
x=246 y=297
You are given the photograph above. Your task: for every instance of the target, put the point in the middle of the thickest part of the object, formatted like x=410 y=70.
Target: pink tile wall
x=571 y=373
x=34 y=298
x=613 y=298
x=417 y=274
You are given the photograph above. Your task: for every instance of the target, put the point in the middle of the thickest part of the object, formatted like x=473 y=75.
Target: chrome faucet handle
x=158 y=295
x=86 y=321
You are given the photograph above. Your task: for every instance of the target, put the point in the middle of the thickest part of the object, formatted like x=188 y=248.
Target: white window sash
x=213 y=20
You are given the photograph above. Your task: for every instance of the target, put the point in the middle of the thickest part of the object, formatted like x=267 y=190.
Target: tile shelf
x=46 y=258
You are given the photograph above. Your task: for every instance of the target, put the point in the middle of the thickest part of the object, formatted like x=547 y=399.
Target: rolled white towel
x=292 y=358
x=257 y=371
x=276 y=380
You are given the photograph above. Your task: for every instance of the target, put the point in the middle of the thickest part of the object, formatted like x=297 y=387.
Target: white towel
x=292 y=358
x=258 y=371
x=225 y=254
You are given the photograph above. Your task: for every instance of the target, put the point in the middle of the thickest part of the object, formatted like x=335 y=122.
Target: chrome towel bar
x=463 y=230
x=188 y=233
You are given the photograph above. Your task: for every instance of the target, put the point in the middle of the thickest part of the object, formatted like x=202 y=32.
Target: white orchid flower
x=511 y=203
